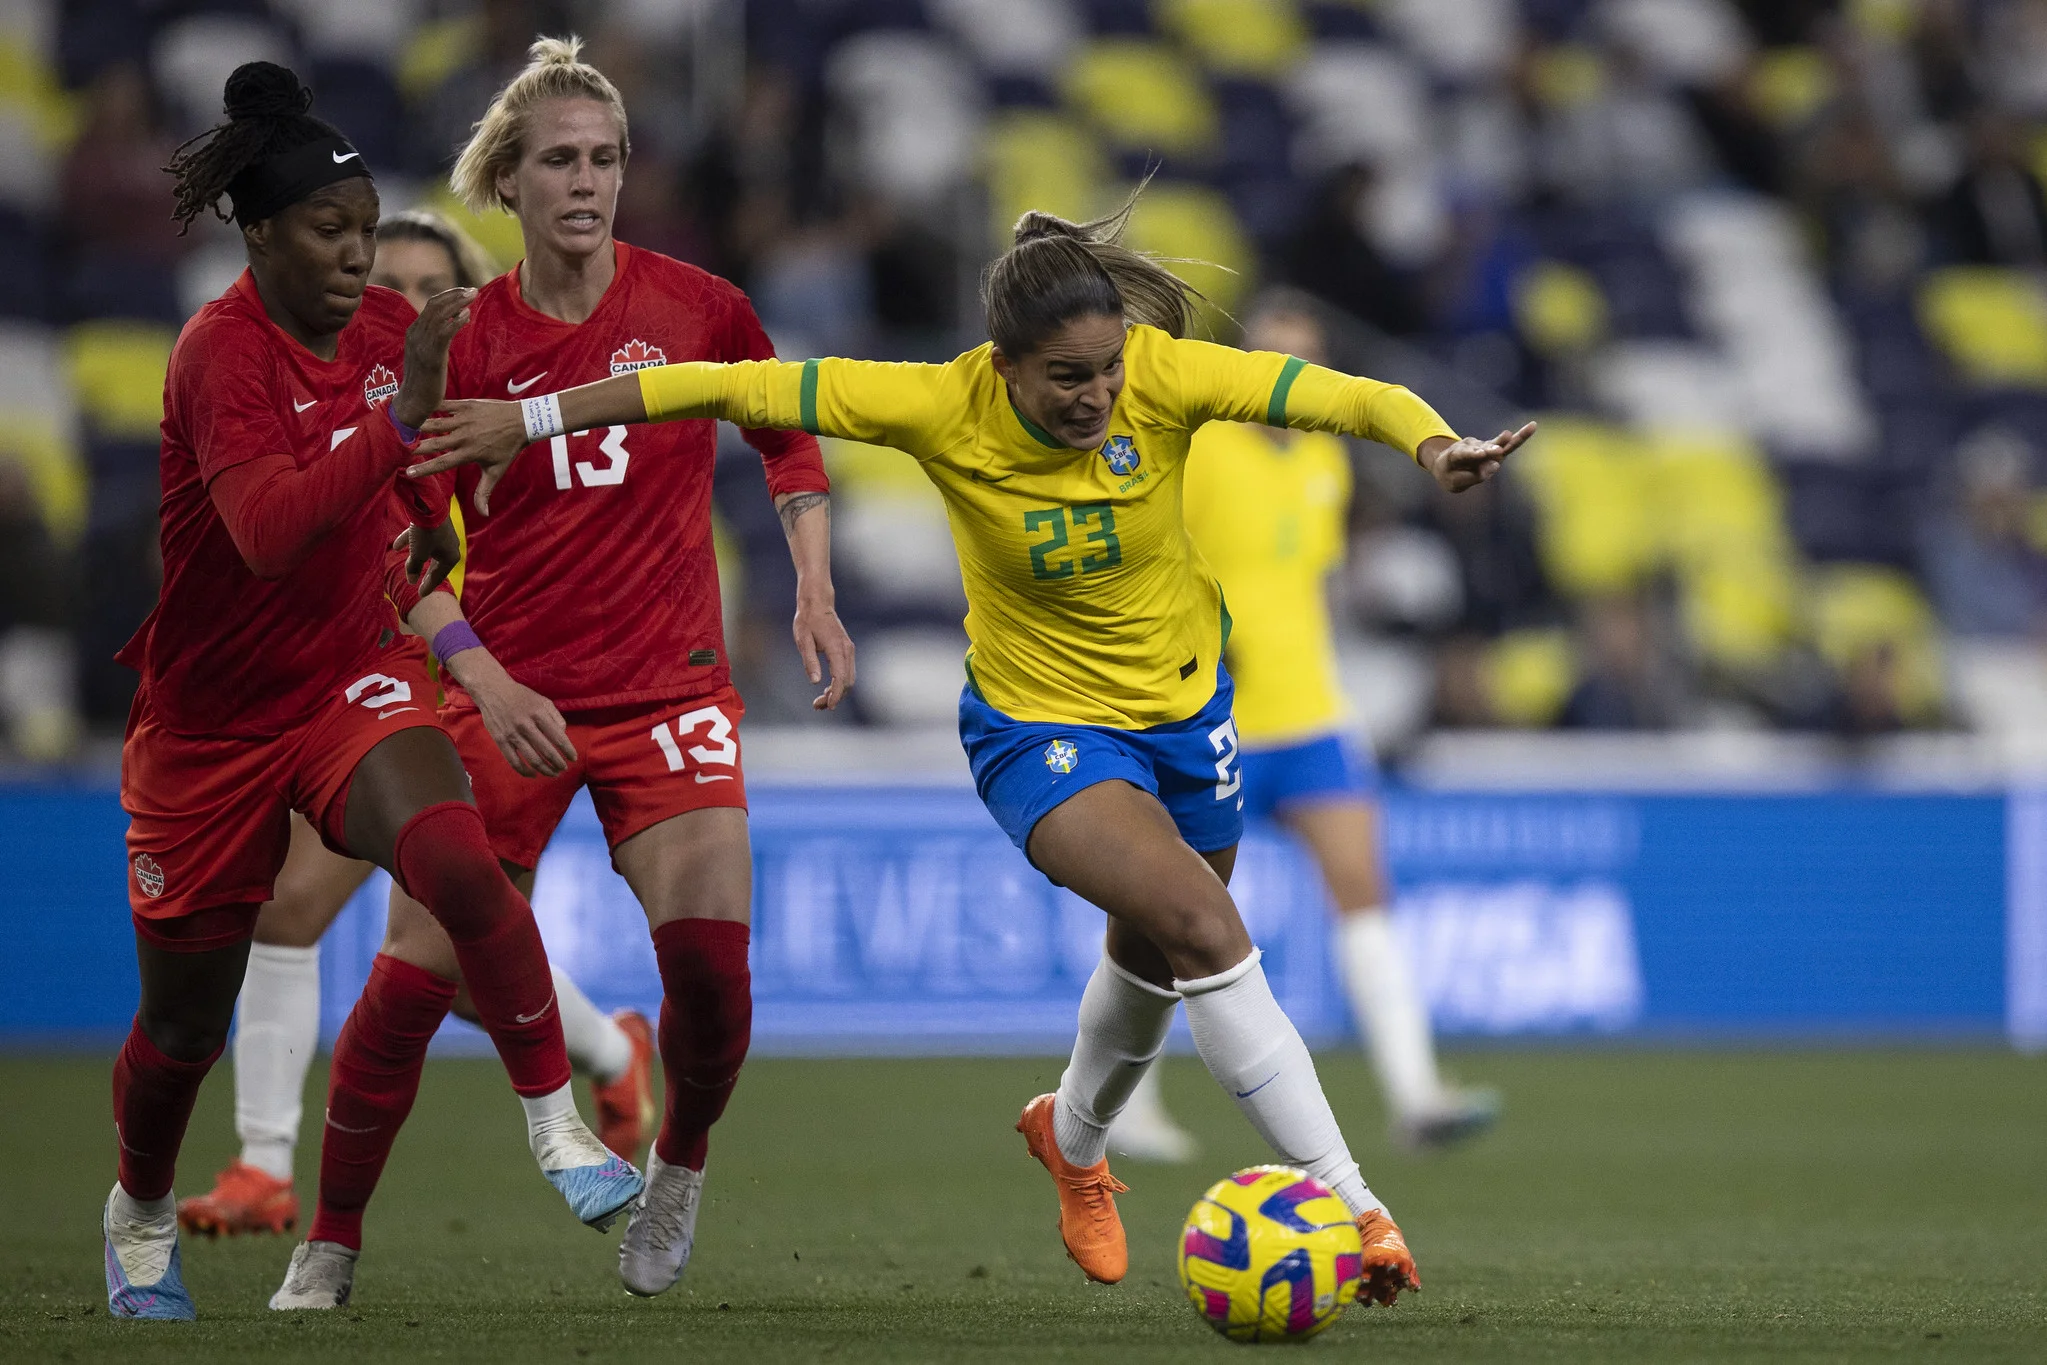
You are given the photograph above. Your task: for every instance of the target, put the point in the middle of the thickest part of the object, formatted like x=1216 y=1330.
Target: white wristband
x=543 y=416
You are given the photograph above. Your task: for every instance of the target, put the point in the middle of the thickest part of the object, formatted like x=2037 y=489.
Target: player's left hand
x=819 y=631
x=480 y=431
x=1469 y=462
x=526 y=727
x=432 y=552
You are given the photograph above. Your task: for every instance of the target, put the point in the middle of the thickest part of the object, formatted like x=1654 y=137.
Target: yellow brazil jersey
x=1086 y=601
x=1267 y=512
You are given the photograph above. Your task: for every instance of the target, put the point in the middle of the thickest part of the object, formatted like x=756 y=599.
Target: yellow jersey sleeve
x=876 y=402
x=1199 y=381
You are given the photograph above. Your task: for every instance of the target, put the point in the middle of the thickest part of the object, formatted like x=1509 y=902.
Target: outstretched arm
x=860 y=400
x=1220 y=383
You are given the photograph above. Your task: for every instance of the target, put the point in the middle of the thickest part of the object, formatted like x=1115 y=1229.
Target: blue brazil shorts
x=1025 y=768
x=1329 y=767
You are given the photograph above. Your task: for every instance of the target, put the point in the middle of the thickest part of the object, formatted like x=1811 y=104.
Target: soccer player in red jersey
x=591 y=574
x=277 y=1019
x=272 y=681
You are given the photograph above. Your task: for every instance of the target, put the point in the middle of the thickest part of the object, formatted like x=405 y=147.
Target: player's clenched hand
x=819 y=631
x=432 y=552
x=528 y=730
x=426 y=355
x=478 y=431
x=1469 y=462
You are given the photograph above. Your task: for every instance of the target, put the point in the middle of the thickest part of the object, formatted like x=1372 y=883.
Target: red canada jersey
x=593 y=578
x=226 y=652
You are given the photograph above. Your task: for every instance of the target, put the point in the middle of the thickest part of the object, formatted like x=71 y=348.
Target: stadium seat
x=1258 y=39
x=117 y=370
x=373 y=31
x=1014 y=38
x=1860 y=607
x=25 y=286
x=1040 y=160
x=1357 y=102
x=109 y=284
x=1529 y=675
x=913 y=108
x=1990 y=323
x=192 y=58
x=1722 y=517
x=1460 y=40
x=890 y=531
x=39 y=422
x=1144 y=96
x=28 y=173
x=1196 y=224
x=1559 y=309
x=1595 y=499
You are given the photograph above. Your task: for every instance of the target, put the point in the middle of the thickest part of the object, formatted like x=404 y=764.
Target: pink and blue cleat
x=144 y=1279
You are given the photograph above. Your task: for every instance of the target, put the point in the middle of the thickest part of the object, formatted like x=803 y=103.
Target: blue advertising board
x=901 y=920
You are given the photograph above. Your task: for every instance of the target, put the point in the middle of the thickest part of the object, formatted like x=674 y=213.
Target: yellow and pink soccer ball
x=1270 y=1254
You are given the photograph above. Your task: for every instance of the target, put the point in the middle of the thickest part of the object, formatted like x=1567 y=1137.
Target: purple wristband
x=405 y=433
x=453 y=638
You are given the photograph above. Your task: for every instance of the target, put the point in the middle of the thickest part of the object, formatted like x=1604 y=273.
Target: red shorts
x=209 y=816
x=643 y=762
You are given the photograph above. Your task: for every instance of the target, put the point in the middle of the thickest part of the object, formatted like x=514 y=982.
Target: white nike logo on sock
x=529 y=1018
x=339 y=158
x=345 y=1128
x=510 y=387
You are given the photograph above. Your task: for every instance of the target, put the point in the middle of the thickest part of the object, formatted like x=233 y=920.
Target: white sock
x=1254 y=1052
x=278 y=1028
x=1123 y=1024
x=559 y=1138
x=597 y=1046
x=1388 y=1009
x=127 y=1208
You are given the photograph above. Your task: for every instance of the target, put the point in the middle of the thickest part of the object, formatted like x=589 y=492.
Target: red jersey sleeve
x=277 y=513
x=226 y=388
x=793 y=462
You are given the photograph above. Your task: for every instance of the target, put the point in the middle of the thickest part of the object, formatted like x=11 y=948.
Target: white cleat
x=1144 y=1131
x=321 y=1275
x=662 y=1228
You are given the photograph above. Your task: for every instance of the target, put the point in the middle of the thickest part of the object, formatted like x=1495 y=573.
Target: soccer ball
x=1270 y=1254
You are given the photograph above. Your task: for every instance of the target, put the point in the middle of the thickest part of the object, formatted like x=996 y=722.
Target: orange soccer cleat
x=625 y=1107
x=1088 y=1222
x=243 y=1199
x=1389 y=1265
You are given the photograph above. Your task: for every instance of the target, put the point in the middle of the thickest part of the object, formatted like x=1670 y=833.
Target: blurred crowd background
x=1769 y=271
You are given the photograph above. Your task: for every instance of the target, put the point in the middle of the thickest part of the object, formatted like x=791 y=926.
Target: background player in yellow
x=1267 y=508
x=1096 y=715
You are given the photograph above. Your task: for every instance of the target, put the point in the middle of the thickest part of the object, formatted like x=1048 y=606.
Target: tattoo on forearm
x=796 y=505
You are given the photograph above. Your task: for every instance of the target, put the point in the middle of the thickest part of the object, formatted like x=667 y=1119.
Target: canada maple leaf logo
x=380 y=384
x=637 y=355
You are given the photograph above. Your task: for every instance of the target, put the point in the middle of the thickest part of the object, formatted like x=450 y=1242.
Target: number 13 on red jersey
x=718 y=745
x=591 y=474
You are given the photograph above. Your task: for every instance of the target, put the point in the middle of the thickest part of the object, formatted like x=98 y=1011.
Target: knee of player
x=187 y=1035
x=1203 y=938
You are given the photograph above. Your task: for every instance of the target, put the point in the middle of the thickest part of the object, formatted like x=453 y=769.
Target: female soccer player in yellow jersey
x=1266 y=509
x=1096 y=713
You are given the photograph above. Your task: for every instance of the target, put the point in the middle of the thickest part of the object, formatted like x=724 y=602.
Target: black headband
x=282 y=180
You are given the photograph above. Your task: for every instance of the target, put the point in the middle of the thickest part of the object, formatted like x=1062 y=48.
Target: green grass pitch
x=1634 y=1206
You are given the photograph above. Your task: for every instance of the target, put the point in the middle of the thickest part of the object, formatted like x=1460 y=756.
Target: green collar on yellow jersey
x=1038 y=433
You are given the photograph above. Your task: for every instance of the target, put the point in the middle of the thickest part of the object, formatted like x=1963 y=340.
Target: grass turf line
x=1634 y=1206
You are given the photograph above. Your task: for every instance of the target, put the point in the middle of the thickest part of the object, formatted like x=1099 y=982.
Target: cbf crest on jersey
x=636 y=355
x=1060 y=756
x=1121 y=453
x=379 y=384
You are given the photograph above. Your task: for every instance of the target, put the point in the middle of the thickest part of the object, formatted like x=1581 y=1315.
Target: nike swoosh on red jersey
x=297 y=406
x=510 y=387
x=395 y=711
x=721 y=777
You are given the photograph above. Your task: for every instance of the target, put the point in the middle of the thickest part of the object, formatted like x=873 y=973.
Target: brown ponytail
x=1058 y=271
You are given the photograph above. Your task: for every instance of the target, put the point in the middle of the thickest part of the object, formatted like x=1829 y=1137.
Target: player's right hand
x=481 y=431
x=527 y=728
x=426 y=355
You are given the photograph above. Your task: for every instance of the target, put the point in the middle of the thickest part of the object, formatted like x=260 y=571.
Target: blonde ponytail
x=554 y=70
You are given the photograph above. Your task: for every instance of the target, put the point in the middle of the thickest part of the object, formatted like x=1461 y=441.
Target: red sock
x=706 y=1024
x=444 y=861
x=153 y=1097
x=375 y=1078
